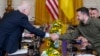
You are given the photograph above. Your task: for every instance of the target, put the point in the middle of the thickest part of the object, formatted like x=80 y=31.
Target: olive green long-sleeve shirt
x=90 y=30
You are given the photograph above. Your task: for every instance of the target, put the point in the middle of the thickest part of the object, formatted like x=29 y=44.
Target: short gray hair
x=23 y=5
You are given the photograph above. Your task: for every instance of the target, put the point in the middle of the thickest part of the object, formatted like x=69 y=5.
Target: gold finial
x=9 y=6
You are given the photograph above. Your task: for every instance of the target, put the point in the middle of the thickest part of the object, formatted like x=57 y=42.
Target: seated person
x=94 y=12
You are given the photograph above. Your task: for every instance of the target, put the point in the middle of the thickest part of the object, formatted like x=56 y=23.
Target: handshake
x=54 y=36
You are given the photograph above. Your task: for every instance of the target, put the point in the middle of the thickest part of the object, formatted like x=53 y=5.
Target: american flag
x=52 y=6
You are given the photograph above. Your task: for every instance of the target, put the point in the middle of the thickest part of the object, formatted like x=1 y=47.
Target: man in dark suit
x=12 y=26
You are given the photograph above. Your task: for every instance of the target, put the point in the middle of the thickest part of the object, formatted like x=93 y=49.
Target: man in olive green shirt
x=88 y=28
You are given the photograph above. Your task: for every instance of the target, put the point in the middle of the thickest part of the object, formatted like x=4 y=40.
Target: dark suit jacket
x=11 y=29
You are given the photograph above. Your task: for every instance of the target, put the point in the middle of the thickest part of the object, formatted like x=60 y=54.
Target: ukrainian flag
x=68 y=8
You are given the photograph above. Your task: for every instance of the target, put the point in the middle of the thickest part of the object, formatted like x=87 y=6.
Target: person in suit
x=88 y=27
x=12 y=27
x=94 y=12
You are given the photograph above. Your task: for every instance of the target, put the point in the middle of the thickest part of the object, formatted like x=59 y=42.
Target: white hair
x=23 y=5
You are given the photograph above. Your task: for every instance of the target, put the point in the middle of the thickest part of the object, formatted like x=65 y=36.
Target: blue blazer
x=11 y=29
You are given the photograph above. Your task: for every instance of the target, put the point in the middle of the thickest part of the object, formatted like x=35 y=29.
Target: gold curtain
x=43 y=16
x=41 y=13
x=77 y=4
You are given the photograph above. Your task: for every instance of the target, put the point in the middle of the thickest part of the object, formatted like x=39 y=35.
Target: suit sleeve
x=26 y=24
x=71 y=35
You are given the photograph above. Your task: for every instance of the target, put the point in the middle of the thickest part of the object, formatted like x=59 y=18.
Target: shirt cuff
x=23 y=34
x=47 y=35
